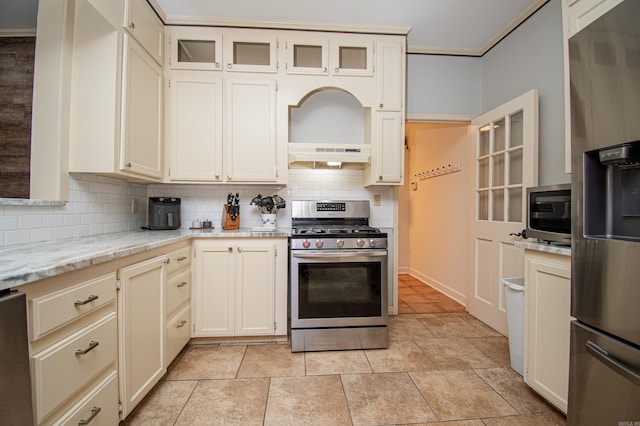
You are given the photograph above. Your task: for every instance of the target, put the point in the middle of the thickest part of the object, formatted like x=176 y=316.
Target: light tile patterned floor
x=442 y=367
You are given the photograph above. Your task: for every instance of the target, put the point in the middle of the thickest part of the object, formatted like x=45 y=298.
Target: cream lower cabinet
x=177 y=303
x=239 y=286
x=141 y=329
x=547 y=317
x=73 y=347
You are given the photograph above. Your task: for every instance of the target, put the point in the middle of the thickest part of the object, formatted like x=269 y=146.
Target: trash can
x=514 y=289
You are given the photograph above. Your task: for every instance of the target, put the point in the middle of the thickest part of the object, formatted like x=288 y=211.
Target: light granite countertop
x=25 y=263
x=547 y=248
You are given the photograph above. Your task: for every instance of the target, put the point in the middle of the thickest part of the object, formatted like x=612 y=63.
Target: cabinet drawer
x=56 y=309
x=60 y=370
x=99 y=407
x=145 y=27
x=178 y=334
x=178 y=291
x=178 y=259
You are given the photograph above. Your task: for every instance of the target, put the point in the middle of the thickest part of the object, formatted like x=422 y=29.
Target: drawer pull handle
x=181 y=324
x=182 y=284
x=92 y=345
x=89 y=299
x=180 y=259
x=94 y=412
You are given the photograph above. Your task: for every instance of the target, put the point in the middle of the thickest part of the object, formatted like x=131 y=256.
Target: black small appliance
x=164 y=213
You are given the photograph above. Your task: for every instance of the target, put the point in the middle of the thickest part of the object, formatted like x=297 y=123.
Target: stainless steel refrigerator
x=604 y=378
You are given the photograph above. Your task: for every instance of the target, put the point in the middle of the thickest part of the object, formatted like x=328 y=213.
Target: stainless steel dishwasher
x=15 y=386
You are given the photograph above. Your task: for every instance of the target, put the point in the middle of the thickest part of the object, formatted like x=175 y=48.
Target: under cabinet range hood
x=304 y=155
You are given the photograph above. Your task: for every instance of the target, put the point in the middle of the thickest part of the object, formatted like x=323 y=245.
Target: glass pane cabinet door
x=352 y=58
x=195 y=49
x=307 y=56
x=250 y=52
x=499 y=170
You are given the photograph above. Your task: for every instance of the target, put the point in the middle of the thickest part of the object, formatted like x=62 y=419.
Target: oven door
x=341 y=288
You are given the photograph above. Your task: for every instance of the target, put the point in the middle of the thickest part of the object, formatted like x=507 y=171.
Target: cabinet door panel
x=213 y=291
x=390 y=71
x=195 y=127
x=390 y=155
x=146 y=28
x=255 y=278
x=141 y=330
x=250 y=137
x=141 y=139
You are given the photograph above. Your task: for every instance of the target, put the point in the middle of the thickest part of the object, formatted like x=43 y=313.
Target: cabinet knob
x=168 y=261
x=132 y=25
x=324 y=69
x=217 y=176
x=217 y=64
x=230 y=249
x=228 y=177
x=229 y=66
x=336 y=69
x=381 y=105
x=239 y=249
x=128 y=165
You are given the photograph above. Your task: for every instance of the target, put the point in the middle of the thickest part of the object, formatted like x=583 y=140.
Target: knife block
x=227 y=223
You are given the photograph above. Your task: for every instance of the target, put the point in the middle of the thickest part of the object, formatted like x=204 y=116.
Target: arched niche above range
x=329 y=125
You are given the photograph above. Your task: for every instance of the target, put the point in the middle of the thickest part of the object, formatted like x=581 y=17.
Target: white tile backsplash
x=100 y=205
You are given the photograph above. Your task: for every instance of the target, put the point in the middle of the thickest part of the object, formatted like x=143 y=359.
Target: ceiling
x=457 y=27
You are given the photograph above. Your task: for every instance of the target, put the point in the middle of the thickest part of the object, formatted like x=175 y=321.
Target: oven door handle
x=340 y=253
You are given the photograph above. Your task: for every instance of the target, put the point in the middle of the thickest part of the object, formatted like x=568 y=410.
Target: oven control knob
x=373 y=242
x=319 y=243
x=340 y=243
x=360 y=242
x=306 y=244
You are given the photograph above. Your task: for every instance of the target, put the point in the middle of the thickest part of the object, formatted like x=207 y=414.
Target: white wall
x=100 y=205
x=443 y=85
x=528 y=58
x=437 y=208
x=97 y=205
x=531 y=58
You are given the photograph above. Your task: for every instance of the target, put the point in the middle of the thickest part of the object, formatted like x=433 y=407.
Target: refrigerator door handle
x=603 y=356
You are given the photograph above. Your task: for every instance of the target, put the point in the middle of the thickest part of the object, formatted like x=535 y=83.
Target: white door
x=504 y=151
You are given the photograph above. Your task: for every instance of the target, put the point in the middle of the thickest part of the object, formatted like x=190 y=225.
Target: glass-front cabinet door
x=351 y=57
x=307 y=55
x=250 y=51
x=195 y=49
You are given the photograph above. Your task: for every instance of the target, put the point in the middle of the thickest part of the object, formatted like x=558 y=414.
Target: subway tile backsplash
x=101 y=205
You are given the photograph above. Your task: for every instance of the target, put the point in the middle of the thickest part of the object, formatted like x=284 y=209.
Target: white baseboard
x=442 y=288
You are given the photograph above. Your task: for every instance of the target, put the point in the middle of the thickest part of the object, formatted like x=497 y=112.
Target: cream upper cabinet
x=141 y=329
x=115 y=124
x=547 y=325
x=250 y=51
x=240 y=287
x=195 y=49
x=250 y=131
x=387 y=161
x=351 y=56
x=141 y=121
x=390 y=67
x=194 y=126
x=307 y=54
x=144 y=26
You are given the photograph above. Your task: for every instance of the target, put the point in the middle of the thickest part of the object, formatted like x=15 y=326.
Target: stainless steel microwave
x=549 y=213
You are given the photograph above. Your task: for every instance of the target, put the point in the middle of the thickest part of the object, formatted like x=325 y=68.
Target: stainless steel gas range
x=338 y=277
